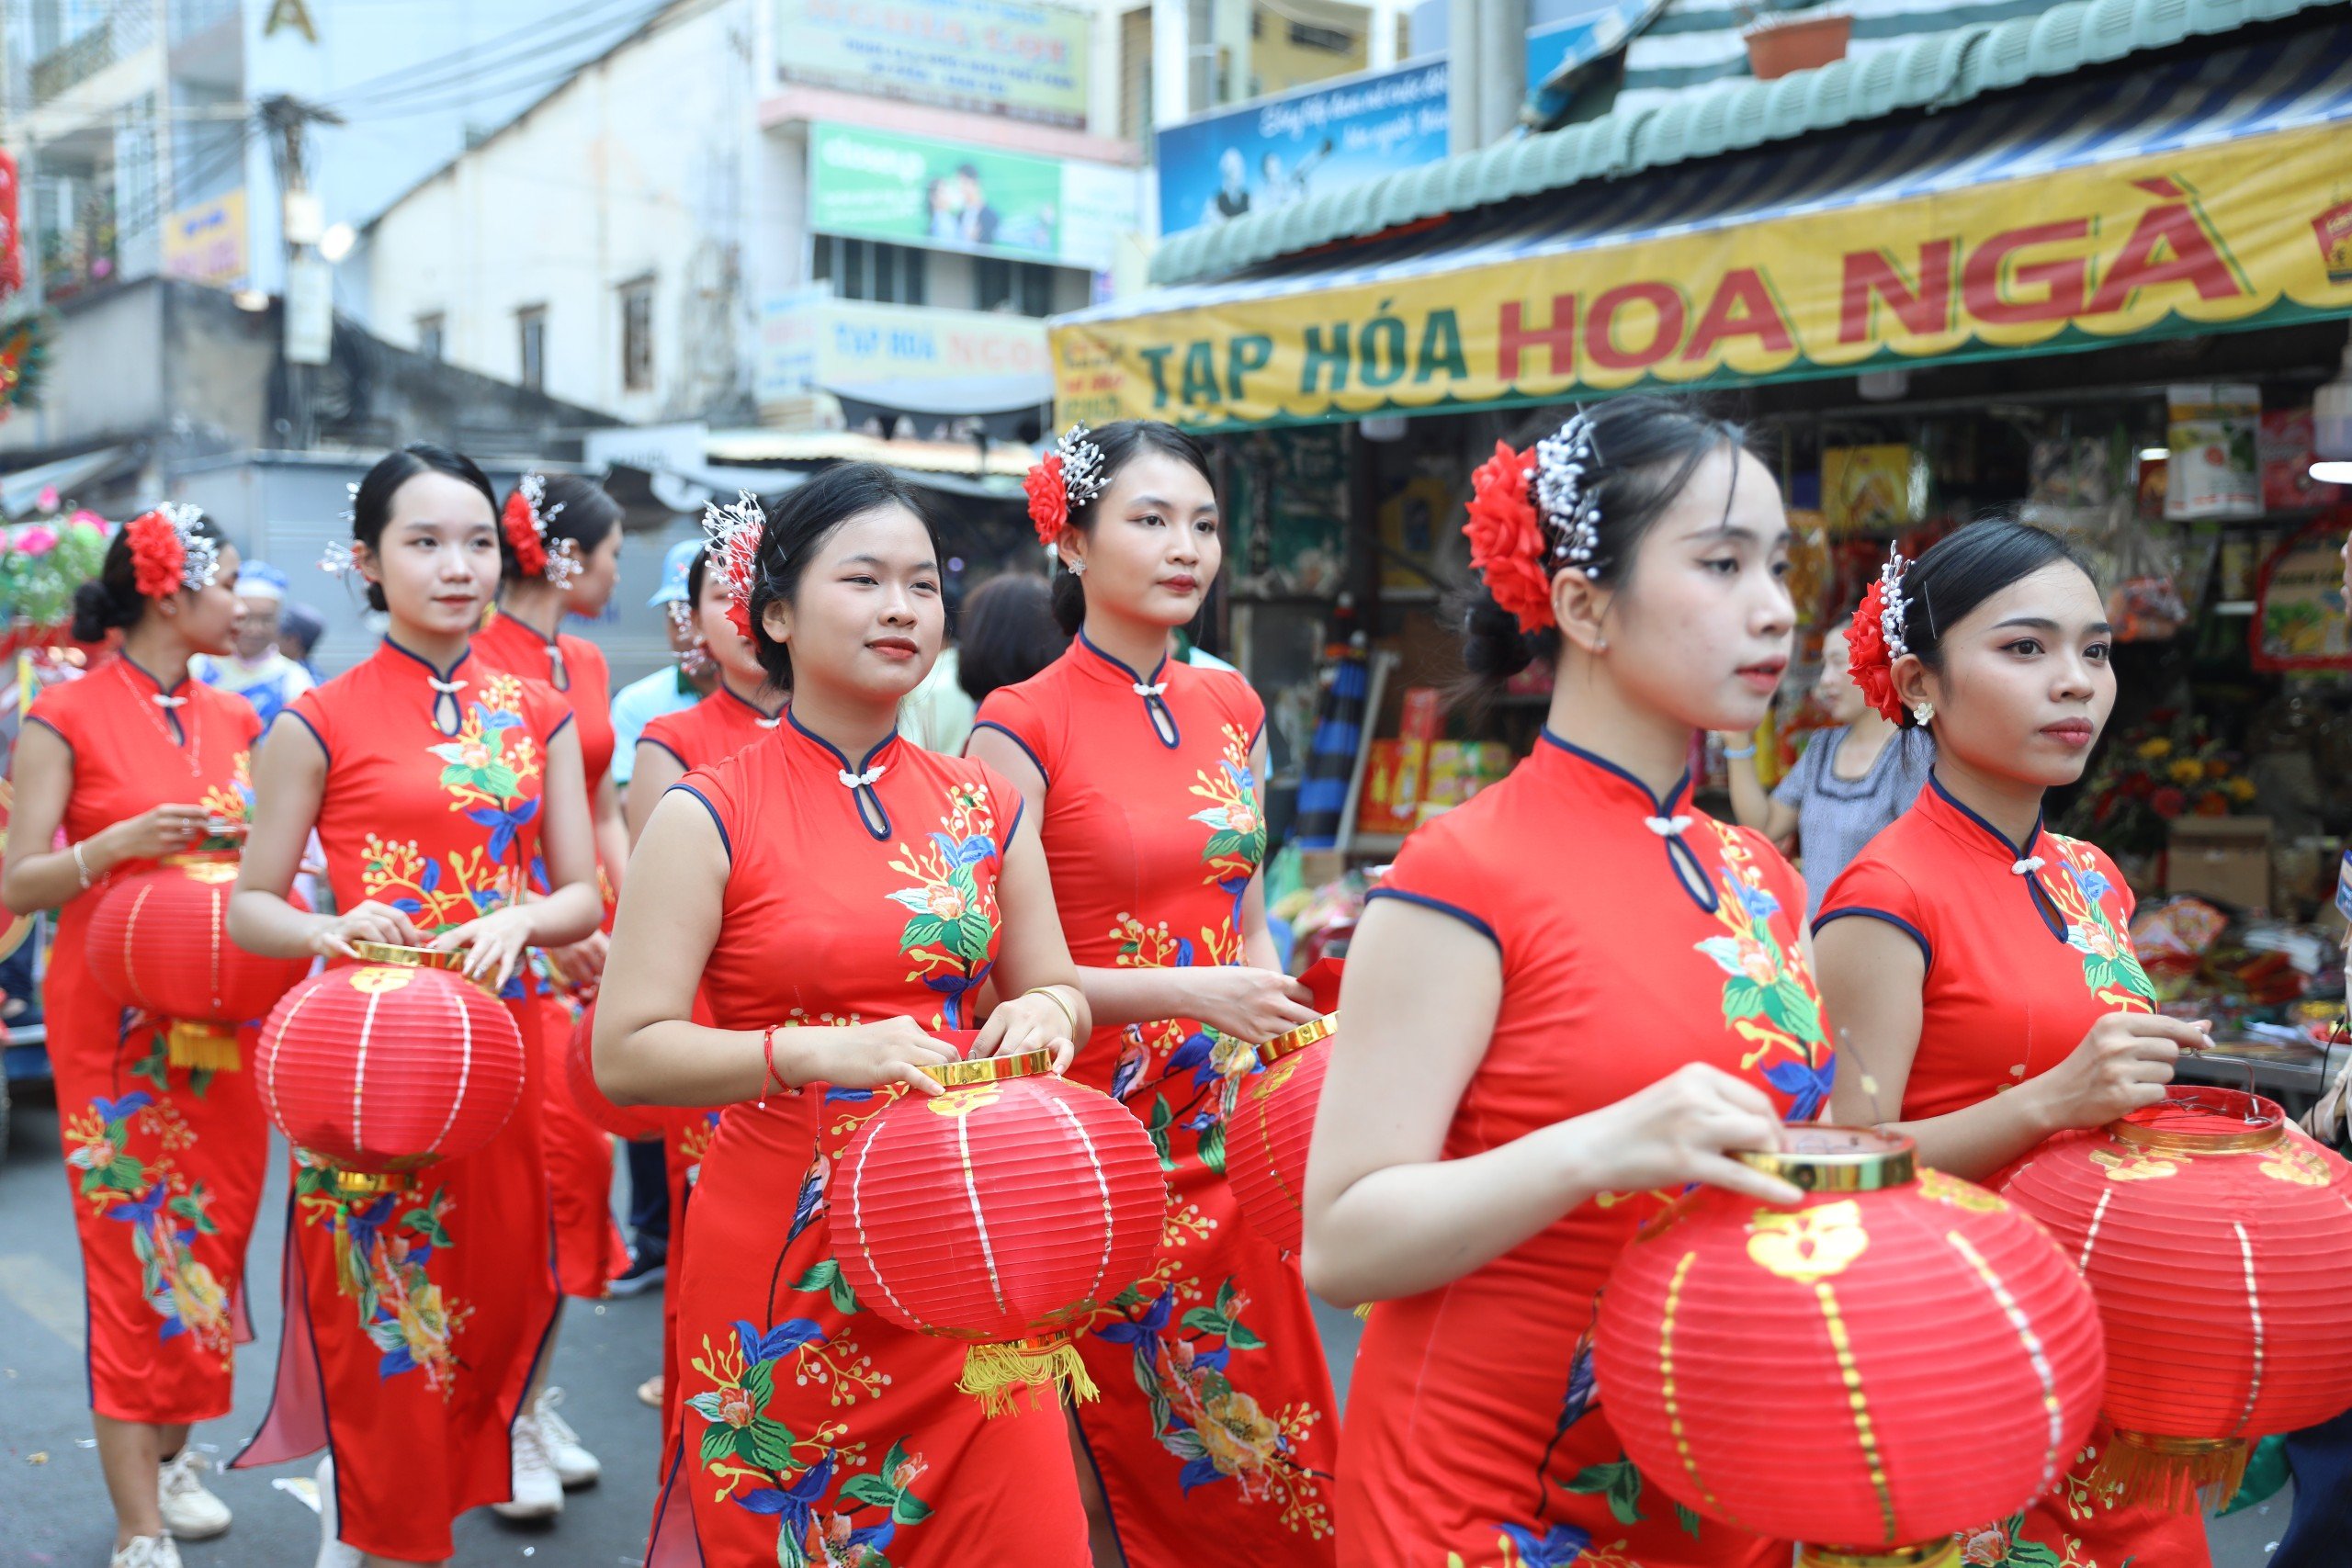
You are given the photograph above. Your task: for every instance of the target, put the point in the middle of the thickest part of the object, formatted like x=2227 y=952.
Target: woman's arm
x=290 y=778
x=1033 y=957
x=647 y=1050
x=1750 y=802
x=656 y=770
x=1871 y=976
x=37 y=877
x=1243 y=1001
x=495 y=943
x=612 y=834
x=1388 y=1215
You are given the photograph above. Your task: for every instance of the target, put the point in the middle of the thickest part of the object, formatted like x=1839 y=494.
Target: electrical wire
x=526 y=44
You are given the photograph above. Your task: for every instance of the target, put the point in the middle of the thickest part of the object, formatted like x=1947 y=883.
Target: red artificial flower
x=520 y=521
x=2169 y=803
x=1506 y=534
x=1048 y=499
x=158 y=559
x=736 y=562
x=1866 y=647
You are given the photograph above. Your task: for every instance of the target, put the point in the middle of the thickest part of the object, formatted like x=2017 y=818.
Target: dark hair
x=371 y=508
x=1648 y=447
x=575 y=509
x=1963 y=570
x=1121 y=443
x=798 y=525
x=1009 y=634
x=302 y=624
x=696 y=575
x=112 y=598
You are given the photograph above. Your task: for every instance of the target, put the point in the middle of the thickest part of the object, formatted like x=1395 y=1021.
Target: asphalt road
x=52 y=1502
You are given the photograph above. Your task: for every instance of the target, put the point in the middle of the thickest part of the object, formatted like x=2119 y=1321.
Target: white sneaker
x=190 y=1511
x=574 y=1465
x=538 y=1494
x=147 y=1551
x=332 y=1553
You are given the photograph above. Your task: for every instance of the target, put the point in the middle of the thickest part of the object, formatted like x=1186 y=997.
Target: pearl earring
x=1601 y=645
x=1922 y=712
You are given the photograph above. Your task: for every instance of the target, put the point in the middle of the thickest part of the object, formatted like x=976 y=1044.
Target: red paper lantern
x=159 y=942
x=383 y=1067
x=1897 y=1357
x=1004 y=1211
x=1269 y=1123
x=630 y=1122
x=2216 y=1241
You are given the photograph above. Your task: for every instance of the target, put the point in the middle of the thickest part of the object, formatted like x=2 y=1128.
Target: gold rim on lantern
x=1839 y=1159
x=448 y=960
x=364 y=1183
x=190 y=860
x=2265 y=1124
x=1942 y=1553
x=1298 y=1039
x=991 y=1069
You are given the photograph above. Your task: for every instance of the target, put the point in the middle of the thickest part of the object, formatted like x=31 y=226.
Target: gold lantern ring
x=991 y=1069
x=1297 y=1040
x=449 y=960
x=1837 y=1160
x=1942 y=1553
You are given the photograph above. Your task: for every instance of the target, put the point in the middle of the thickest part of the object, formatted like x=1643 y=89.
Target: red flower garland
x=1866 y=645
x=521 y=522
x=1506 y=534
x=1048 y=499
x=159 y=560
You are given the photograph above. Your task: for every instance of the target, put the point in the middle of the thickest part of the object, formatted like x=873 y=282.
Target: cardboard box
x=1392 y=786
x=2226 y=858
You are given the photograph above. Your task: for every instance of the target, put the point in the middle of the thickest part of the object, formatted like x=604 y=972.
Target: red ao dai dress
x=412 y=1319
x=1635 y=935
x=165 y=1161
x=589 y=1249
x=2024 y=953
x=1213 y=1438
x=814 y=1432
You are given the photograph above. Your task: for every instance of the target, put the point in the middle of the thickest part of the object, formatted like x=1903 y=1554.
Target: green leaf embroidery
x=1242 y=1338
x=767 y=1444
x=1207 y=1320
x=1743 y=998
x=1621 y=1482
x=1688 y=1519
x=1212 y=1147
x=910 y=1509
x=871 y=1489
x=1158 y=1124
x=718 y=1441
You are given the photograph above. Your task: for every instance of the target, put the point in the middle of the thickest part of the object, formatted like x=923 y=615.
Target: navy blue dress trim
x=1441 y=907
x=1927 y=949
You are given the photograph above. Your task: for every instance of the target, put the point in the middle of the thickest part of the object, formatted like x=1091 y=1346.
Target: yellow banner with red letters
x=2252 y=232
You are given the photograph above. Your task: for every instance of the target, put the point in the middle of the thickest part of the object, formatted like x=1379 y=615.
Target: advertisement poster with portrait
x=912 y=190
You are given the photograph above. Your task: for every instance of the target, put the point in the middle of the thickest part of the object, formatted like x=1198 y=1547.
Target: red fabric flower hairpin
x=1874 y=637
x=1070 y=474
x=1532 y=513
x=734 y=534
x=525 y=521
x=166 y=552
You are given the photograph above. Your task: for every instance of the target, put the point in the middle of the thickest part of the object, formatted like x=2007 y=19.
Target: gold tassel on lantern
x=993 y=1372
x=202 y=1047
x=2177 y=1475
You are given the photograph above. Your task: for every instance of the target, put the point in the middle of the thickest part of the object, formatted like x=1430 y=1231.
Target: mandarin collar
x=815 y=746
x=760 y=715
x=426 y=664
x=1945 y=809
x=1102 y=666
x=144 y=677
x=1569 y=759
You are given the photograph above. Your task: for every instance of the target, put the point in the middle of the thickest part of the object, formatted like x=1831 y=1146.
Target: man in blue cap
x=257 y=671
x=664 y=691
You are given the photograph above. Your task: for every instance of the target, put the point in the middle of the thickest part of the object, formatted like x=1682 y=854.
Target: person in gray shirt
x=1852 y=780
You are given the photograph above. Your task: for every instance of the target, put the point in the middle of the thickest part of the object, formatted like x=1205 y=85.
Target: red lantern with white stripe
x=1004 y=1213
x=384 y=1068
x=2215 y=1238
x=1270 y=1122
x=159 y=942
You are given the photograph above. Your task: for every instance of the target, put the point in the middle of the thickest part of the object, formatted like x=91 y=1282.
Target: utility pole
x=306 y=318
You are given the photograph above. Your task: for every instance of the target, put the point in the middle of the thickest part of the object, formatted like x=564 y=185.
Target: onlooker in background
x=1853 y=779
x=665 y=691
x=257 y=671
x=299 y=630
x=1007 y=634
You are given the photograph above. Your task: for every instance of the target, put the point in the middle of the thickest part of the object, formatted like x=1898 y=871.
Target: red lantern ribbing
x=159 y=942
x=1004 y=1212
x=2215 y=1240
x=1791 y=1371
x=1268 y=1125
x=383 y=1067
x=633 y=1123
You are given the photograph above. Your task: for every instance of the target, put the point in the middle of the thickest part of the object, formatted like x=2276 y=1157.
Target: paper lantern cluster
x=633 y=1123
x=1901 y=1356
x=2216 y=1241
x=1269 y=1124
x=384 y=1068
x=1004 y=1213
x=159 y=942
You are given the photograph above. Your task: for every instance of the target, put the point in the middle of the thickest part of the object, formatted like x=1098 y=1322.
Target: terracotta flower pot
x=1776 y=48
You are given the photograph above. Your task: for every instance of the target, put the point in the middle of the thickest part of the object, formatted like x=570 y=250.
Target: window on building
x=531 y=334
x=1134 y=74
x=637 y=335
x=868 y=269
x=431 y=334
x=1306 y=35
x=1023 y=288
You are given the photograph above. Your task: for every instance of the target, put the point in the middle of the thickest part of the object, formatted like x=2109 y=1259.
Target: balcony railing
x=63 y=69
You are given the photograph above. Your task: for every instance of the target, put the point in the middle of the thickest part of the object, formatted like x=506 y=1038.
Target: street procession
x=1176 y=783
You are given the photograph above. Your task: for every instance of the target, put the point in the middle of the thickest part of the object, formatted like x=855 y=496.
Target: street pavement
x=52 y=1501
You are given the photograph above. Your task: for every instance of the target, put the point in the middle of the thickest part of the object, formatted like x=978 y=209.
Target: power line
x=459 y=65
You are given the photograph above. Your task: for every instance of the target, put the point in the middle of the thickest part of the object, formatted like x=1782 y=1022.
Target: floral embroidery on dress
x=165 y=1210
x=2003 y=1546
x=1769 y=996
x=382 y=1248
x=2111 y=970
x=952 y=920
x=763 y=1466
x=1561 y=1546
x=1236 y=842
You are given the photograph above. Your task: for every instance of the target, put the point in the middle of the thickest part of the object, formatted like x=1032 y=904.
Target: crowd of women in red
x=1568 y=1000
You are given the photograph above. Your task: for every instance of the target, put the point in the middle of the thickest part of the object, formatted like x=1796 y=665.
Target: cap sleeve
x=60 y=710
x=313 y=713
x=662 y=730
x=1012 y=712
x=1439 y=870
x=1872 y=889
x=711 y=786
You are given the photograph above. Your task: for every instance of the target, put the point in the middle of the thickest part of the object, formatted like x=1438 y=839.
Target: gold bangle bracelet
x=1053 y=995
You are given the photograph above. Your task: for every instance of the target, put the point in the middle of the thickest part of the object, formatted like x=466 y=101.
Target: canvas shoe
x=332 y=1553
x=539 y=1492
x=146 y=1552
x=574 y=1465
x=190 y=1511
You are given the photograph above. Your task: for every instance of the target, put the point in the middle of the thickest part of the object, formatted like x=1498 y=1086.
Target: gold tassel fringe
x=995 y=1373
x=1364 y=1311
x=2180 y=1475
x=201 y=1047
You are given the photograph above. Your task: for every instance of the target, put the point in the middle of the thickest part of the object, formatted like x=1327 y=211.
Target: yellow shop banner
x=2253 y=232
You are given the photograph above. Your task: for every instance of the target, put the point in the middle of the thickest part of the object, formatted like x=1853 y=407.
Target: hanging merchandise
x=2214 y=1240
x=1005 y=1213
x=383 y=1067
x=2300 y=615
x=24 y=361
x=159 y=942
x=2146 y=603
x=12 y=238
x=1331 y=756
x=2214 y=436
x=1872 y=489
x=1791 y=1371
x=2289 y=447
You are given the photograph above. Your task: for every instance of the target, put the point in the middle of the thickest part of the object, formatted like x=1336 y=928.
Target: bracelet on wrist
x=1739 y=754
x=1055 y=997
x=81 y=866
x=769 y=1076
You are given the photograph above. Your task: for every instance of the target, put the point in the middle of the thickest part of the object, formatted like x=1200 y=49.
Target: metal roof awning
x=21 y=490
x=2201 y=195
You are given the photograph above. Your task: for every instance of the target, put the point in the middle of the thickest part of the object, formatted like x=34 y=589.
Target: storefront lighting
x=2154 y=454
x=2332 y=425
x=1381 y=427
x=2333 y=471
x=251 y=299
